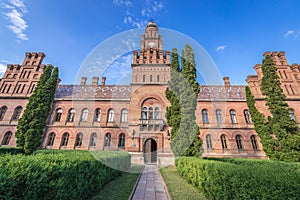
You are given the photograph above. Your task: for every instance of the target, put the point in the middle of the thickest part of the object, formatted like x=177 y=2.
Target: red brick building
x=132 y=117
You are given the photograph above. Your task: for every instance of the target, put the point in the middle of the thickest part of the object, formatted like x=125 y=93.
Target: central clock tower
x=151 y=65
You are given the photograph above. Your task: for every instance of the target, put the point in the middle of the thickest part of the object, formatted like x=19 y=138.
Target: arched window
x=239 y=143
x=254 y=142
x=84 y=115
x=51 y=138
x=247 y=116
x=17 y=113
x=71 y=115
x=111 y=115
x=150 y=113
x=6 y=138
x=121 y=140
x=58 y=114
x=144 y=113
x=205 y=116
x=2 y=112
x=78 y=141
x=64 y=139
x=233 y=116
x=223 y=142
x=97 y=116
x=107 y=139
x=208 y=141
x=219 y=116
x=157 y=113
x=124 y=115
x=93 y=139
x=292 y=114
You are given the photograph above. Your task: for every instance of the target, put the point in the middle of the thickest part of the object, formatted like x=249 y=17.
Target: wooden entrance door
x=150 y=151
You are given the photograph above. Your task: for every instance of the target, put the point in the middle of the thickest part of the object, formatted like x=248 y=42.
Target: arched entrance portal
x=150 y=151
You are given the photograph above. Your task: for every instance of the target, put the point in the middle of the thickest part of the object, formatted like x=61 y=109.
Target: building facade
x=131 y=117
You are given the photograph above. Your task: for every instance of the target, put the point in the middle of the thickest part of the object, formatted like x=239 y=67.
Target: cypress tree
x=38 y=110
x=279 y=134
x=33 y=102
x=182 y=93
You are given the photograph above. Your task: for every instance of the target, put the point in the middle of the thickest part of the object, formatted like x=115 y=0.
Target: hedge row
x=8 y=150
x=57 y=175
x=242 y=178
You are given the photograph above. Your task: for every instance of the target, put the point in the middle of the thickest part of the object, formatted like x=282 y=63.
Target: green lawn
x=178 y=187
x=121 y=187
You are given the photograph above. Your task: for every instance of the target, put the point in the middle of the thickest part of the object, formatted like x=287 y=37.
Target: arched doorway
x=150 y=151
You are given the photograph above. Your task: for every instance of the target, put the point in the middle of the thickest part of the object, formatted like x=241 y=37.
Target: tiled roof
x=91 y=92
x=221 y=92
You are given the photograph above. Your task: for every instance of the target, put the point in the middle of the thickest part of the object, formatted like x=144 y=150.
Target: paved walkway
x=150 y=185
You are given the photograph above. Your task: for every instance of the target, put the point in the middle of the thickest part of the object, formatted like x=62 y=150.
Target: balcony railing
x=151 y=124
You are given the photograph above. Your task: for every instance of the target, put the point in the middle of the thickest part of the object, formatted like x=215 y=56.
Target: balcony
x=152 y=124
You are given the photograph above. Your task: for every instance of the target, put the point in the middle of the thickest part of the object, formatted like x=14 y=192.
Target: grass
x=178 y=187
x=121 y=187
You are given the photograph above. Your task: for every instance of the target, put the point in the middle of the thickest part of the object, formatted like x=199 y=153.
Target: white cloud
x=16 y=10
x=149 y=10
x=220 y=48
x=291 y=33
x=2 y=69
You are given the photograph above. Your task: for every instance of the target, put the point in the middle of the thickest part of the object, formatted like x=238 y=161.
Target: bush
x=57 y=174
x=242 y=178
x=10 y=150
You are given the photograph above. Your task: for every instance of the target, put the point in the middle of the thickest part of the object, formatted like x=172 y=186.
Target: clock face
x=151 y=44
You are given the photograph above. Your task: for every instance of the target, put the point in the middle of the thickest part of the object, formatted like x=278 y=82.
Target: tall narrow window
x=97 y=116
x=2 y=112
x=233 y=116
x=150 y=78
x=93 y=139
x=208 y=142
x=150 y=113
x=107 y=139
x=205 y=116
x=78 y=141
x=71 y=115
x=7 y=91
x=247 y=116
x=111 y=115
x=6 y=138
x=254 y=142
x=144 y=78
x=17 y=113
x=223 y=142
x=84 y=115
x=64 y=139
x=157 y=113
x=292 y=90
x=121 y=140
x=157 y=78
x=239 y=143
x=292 y=114
x=58 y=114
x=144 y=113
x=124 y=115
x=219 y=116
x=51 y=138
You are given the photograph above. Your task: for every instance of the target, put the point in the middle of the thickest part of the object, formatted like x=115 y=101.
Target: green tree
x=38 y=110
x=280 y=134
x=182 y=94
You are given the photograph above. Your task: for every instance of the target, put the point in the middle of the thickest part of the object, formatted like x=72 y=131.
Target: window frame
x=204 y=114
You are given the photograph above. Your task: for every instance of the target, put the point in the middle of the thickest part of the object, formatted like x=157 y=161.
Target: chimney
x=95 y=80
x=83 y=80
x=226 y=81
x=103 y=80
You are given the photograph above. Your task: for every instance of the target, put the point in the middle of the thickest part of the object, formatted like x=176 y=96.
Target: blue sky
x=235 y=33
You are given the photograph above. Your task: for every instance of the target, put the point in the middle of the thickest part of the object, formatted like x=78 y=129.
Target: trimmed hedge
x=57 y=174
x=242 y=178
x=10 y=150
